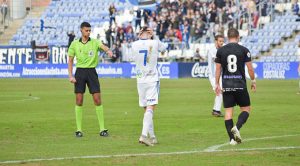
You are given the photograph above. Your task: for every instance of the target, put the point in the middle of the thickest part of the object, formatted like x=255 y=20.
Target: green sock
x=78 y=113
x=99 y=111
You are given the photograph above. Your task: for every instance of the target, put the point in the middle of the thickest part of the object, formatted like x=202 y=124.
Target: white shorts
x=148 y=93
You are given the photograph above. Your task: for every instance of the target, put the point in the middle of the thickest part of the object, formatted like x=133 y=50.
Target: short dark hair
x=144 y=28
x=218 y=36
x=233 y=33
x=85 y=24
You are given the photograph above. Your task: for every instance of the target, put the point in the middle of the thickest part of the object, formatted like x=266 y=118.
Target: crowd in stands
x=181 y=22
x=187 y=21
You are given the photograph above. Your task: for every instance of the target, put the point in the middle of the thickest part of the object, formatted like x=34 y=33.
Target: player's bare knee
x=79 y=101
x=97 y=102
x=246 y=109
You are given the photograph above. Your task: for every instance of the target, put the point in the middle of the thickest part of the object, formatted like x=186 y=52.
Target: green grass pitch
x=37 y=121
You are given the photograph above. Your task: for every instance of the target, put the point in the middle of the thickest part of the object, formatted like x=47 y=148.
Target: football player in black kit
x=230 y=61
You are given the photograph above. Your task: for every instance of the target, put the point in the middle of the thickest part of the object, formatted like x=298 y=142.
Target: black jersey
x=232 y=58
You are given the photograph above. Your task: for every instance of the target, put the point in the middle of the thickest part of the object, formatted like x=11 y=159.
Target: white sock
x=147 y=122
x=218 y=102
x=151 y=129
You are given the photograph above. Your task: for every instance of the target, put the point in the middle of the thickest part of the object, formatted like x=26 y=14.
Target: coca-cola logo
x=199 y=71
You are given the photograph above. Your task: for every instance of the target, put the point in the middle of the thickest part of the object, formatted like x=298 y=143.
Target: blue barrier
x=263 y=70
x=24 y=62
x=116 y=70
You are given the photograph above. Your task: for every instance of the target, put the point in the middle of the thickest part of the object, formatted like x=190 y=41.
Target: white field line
x=162 y=154
x=25 y=99
x=216 y=147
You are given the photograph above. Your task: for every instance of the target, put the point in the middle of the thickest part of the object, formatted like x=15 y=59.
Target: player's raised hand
x=72 y=80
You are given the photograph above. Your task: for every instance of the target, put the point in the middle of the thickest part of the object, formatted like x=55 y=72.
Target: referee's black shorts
x=233 y=98
x=89 y=77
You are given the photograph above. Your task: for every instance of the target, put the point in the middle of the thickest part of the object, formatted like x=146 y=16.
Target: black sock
x=229 y=125
x=242 y=119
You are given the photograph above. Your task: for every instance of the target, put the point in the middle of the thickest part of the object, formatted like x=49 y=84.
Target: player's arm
x=299 y=67
x=70 y=69
x=209 y=63
x=106 y=49
x=217 y=80
x=251 y=74
x=71 y=54
x=218 y=73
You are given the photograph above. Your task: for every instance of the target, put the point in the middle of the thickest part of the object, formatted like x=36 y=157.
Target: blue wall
x=22 y=61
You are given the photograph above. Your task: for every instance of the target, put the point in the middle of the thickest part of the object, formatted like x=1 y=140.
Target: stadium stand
x=186 y=25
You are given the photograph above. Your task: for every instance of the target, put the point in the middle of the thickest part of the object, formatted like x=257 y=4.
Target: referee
x=231 y=60
x=86 y=50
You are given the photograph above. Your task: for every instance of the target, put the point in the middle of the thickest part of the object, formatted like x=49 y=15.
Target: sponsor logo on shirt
x=91 y=53
x=151 y=100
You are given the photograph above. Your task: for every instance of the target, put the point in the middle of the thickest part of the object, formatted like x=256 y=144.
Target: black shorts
x=233 y=98
x=89 y=77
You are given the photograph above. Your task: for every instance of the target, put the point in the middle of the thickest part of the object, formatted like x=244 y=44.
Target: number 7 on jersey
x=145 y=52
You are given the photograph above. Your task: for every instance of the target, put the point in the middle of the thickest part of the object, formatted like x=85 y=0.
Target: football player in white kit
x=145 y=52
x=219 y=41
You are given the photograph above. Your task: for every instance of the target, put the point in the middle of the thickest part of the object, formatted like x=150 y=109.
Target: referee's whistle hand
x=109 y=53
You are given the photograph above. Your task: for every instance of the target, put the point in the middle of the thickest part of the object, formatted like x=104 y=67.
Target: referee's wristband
x=253 y=81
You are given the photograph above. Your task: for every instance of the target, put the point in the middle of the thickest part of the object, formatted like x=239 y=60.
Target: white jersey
x=145 y=53
x=211 y=56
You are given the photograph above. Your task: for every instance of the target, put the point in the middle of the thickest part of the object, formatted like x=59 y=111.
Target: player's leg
x=229 y=103
x=78 y=114
x=79 y=89
x=100 y=114
x=152 y=101
x=217 y=106
x=94 y=88
x=229 y=122
x=218 y=100
x=150 y=113
x=142 y=91
x=243 y=101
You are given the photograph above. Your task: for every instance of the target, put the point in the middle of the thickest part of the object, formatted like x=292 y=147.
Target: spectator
x=197 y=57
x=295 y=7
x=186 y=34
x=71 y=36
x=42 y=25
x=138 y=18
x=4 y=11
x=193 y=31
x=116 y=51
x=112 y=14
x=129 y=35
x=120 y=36
x=109 y=37
x=129 y=27
x=146 y=14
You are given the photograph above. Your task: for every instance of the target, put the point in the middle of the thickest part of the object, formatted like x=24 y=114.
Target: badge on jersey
x=249 y=55
x=91 y=53
x=139 y=74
